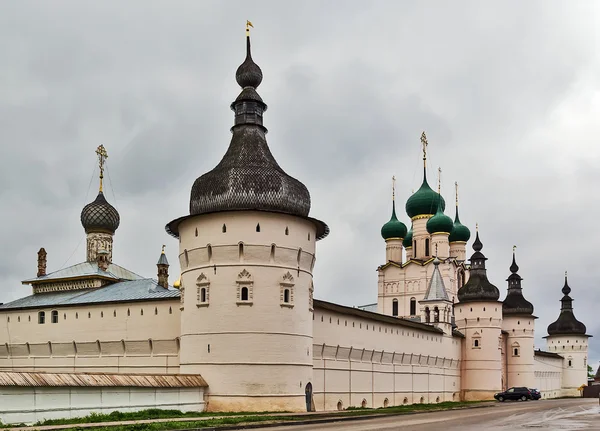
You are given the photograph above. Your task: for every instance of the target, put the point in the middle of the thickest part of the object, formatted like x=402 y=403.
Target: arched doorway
x=308 y=395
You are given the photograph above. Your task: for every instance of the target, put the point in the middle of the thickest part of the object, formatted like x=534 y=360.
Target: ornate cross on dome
x=102 y=156
x=439 y=181
x=248 y=25
x=424 y=143
x=393 y=187
x=456 y=190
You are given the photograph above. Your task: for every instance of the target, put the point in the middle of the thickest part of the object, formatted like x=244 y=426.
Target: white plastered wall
x=31 y=404
x=519 y=340
x=134 y=337
x=358 y=359
x=574 y=350
x=548 y=375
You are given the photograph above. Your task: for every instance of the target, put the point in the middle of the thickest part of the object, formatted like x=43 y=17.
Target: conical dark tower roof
x=515 y=303
x=478 y=288
x=248 y=177
x=566 y=324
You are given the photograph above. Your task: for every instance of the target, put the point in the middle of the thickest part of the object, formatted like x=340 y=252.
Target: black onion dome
x=100 y=216
x=515 y=303
x=566 y=324
x=478 y=288
x=248 y=177
x=248 y=74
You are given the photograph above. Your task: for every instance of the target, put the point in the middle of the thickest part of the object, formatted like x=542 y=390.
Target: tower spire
x=102 y=156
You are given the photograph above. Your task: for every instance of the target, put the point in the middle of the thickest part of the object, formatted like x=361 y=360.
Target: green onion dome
x=440 y=222
x=393 y=228
x=424 y=201
x=459 y=233
x=408 y=239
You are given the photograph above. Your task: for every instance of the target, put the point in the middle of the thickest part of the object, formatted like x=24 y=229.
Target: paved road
x=567 y=414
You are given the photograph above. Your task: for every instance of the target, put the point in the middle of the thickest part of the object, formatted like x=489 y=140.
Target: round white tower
x=567 y=337
x=247 y=251
x=478 y=315
x=519 y=325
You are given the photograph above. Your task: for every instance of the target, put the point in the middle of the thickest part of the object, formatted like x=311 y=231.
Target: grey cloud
x=349 y=92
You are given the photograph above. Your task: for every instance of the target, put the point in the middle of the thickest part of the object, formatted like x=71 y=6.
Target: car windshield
x=511 y=390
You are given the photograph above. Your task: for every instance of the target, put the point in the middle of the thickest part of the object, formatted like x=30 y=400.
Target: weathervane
x=102 y=156
x=163 y=249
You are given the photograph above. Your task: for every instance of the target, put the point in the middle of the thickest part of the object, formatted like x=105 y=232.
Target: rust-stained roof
x=13 y=378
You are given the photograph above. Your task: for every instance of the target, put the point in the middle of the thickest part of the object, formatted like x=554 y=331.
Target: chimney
x=103 y=259
x=41 y=262
x=163 y=269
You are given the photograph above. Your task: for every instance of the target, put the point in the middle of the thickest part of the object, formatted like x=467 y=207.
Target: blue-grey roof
x=126 y=291
x=84 y=269
x=436 y=290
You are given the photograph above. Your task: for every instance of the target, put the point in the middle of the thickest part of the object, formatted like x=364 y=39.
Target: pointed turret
x=515 y=303
x=566 y=324
x=163 y=269
x=248 y=178
x=478 y=288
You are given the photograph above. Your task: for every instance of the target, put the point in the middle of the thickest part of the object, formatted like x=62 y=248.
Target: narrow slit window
x=258 y=227
x=244 y=294
x=287 y=230
x=395 y=307
x=224 y=229
x=203 y=294
x=286 y=296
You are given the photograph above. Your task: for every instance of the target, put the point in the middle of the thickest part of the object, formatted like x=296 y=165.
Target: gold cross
x=424 y=143
x=514 y=248
x=439 y=181
x=102 y=156
x=456 y=188
x=393 y=187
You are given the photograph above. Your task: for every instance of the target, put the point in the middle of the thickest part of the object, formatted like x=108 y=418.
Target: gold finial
x=456 y=190
x=476 y=227
x=514 y=248
x=424 y=143
x=439 y=181
x=565 y=274
x=102 y=156
x=163 y=249
x=393 y=187
x=248 y=25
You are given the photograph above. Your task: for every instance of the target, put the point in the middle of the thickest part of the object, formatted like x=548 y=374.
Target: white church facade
x=240 y=329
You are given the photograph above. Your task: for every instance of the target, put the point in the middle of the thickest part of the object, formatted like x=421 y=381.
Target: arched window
x=516 y=351
x=41 y=317
x=476 y=343
x=395 y=307
x=286 y=295
x=54 y=316
x=209 y=252
x=258 y=227
x=436 y=314
x=203 y=294
x=241 y=250
x=427 y=247
x=224 y=229
x=272 y=256
x=413 y=306
x=570 y=362
x=244 y=294
x=427 y=315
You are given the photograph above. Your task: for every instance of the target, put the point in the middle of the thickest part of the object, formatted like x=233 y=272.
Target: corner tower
x=518 y=322
x=567 y=337
x=247 y=251
x=478 y=316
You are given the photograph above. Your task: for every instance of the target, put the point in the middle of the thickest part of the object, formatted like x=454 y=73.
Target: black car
x=535 y=394
x=516 y=393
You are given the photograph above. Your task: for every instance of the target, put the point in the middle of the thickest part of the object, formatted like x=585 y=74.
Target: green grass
x=225 y=418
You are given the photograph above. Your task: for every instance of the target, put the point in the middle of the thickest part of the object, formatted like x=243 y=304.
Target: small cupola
x=566 y=324
x=478 y=288
x=515 y=303
x=394 y=228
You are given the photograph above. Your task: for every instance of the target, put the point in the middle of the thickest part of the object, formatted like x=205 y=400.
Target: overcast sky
x=508 y=93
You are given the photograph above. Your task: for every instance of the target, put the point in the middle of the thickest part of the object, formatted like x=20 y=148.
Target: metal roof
x=13 y=378
x=86 y=269
x=124 y=291
x=436 y=290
